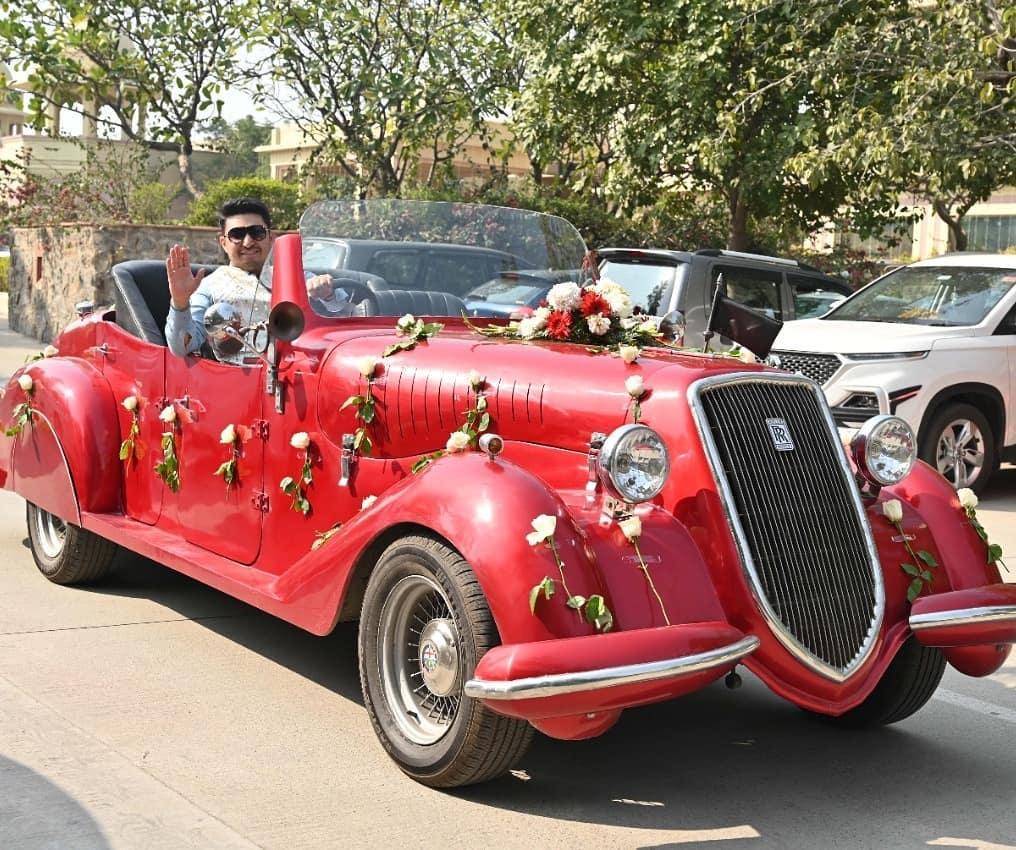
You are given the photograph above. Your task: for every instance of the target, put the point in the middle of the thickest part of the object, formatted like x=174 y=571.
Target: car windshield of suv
x=929 y=295
x=648 y=285
x=448 y=249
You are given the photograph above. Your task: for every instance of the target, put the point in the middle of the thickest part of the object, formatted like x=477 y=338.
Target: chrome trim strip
x=963 y=617
x=556 y=684
x=737 y=530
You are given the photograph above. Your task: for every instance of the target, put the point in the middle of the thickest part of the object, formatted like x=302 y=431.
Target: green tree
x=375 y=83
x=933 y=115
x=283 y=199
x=168 y=62
x=238 y=142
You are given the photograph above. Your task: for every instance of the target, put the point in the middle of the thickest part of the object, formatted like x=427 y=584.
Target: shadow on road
x=32 y=807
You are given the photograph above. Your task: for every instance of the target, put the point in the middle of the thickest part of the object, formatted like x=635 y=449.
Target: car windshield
x=810 y=305
x=508 y=290
x=398 y=246
x=929 y=295
x=647 y=284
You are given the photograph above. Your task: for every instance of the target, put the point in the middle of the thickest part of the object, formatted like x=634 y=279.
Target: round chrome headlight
x=633 y=463
x=884 y=449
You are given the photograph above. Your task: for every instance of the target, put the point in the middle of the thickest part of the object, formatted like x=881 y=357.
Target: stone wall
x=53 y=268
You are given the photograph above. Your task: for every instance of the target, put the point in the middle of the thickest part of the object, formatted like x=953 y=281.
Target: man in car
x=246 y=237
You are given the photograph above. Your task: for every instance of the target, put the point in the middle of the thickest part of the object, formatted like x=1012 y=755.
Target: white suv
x=933 y=342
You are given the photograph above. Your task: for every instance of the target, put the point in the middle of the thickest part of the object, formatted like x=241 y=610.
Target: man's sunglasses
x=257 y=232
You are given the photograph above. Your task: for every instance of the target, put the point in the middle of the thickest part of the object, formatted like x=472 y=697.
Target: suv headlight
x=633 y=463
x=884 y=449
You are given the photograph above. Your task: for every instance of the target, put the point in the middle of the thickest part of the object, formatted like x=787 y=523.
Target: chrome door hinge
x=260 y=502
x=259 y=427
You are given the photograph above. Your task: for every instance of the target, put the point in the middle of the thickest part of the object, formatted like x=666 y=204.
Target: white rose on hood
x=631 y=527
x=628 y=353
x=404 y=325
x=545 y=525
x=476 y=380
x=300 y=440
x=168 y=414
x=130 y=403
x=458 y=441
x=50 y=351
x=968 y=498
x=893 y=510
x=635 y=387
x=26 y=383
x=228 y=435
x=367 y=502
x=598 y=325
x=367 y=366
x=564 y=296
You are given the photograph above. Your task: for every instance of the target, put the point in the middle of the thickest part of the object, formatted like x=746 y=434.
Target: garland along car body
x=556 y=565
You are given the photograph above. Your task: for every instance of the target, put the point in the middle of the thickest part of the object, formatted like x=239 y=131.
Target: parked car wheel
x=907 y=685
x=960 y=444
x=424 y=626
x=64 y=553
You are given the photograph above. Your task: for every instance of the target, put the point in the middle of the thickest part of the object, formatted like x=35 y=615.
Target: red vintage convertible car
x=537 y=526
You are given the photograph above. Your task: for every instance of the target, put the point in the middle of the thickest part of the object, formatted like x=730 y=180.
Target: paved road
x=153 y=712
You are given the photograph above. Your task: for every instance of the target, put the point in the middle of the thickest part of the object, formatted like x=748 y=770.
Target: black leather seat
x=398 y=302
x=141 y=293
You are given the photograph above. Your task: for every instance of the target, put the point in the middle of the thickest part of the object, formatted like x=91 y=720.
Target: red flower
x=593 y=303
x=559 y=325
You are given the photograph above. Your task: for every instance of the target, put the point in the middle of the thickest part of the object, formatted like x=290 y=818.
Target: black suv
x=660 y=281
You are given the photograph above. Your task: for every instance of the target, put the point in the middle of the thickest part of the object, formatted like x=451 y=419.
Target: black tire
x=413 y=691
x=907 y=685
x=965 y=426
x=64 y=553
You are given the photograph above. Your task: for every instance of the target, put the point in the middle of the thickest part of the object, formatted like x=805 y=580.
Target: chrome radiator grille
x=796 y=515
x=818 y=367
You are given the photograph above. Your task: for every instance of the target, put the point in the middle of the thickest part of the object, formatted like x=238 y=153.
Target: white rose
x=476 y=380
x=528 y=328
x=968 y=498
x=564 y=296
x=367 y=502
x=619 y=303
x=598 y=325
x=893 y=510
x=746 y=356
x=300 y=440
x=367 y=366
x=228 y=435
x=635 y=387
x=649 y=327
x=458 y=441
x=168 y=414
x=545 y=525
x=286 y=483
x=540 y=316
x=26 y=383
x=628 y=353
x=50 y=351
x=629 y=322
x=631 y=527
x=606 y=285
x=404 y=325
x=130 y=403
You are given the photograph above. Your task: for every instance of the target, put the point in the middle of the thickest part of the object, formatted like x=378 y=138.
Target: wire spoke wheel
x=417 y=647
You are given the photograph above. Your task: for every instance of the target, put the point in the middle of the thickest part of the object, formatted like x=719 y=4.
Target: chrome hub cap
x=960 y=453
x=439 y=657
x=418 y=659
x=51 y=531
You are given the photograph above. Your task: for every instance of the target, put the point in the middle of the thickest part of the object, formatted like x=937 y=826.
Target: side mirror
x=673 y=326
x=224 y=327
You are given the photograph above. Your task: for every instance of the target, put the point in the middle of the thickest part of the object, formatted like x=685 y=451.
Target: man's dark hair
x=244 y=206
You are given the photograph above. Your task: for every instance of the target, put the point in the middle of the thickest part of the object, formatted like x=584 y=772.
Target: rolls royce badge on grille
x=780 y=435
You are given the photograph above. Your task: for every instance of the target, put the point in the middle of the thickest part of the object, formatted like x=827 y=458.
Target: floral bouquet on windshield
x=598 y=313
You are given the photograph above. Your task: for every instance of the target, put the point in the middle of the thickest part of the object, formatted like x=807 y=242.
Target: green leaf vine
x=129 y=447
x=168 y=469
x=968 y=503
x=592 y=609
x=413 y=330
x=295 y=488
x=476 y=422
x=631 y=527
x=229 y=469
x=921 y=562
x=23 y=412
